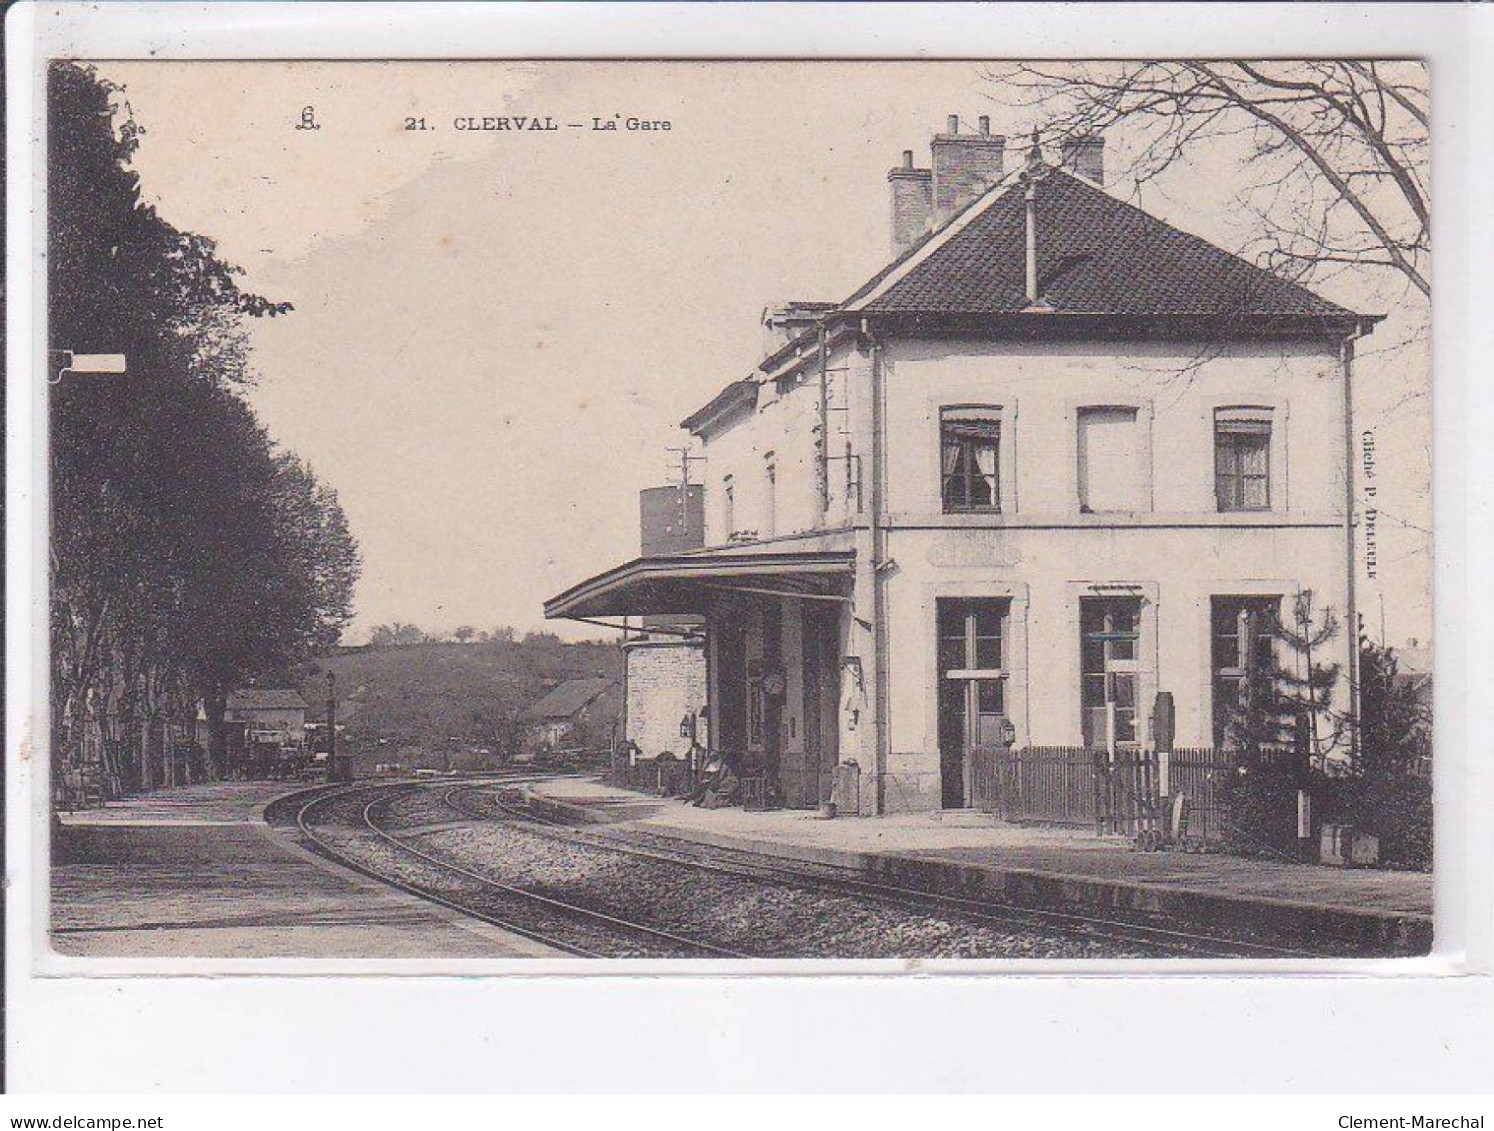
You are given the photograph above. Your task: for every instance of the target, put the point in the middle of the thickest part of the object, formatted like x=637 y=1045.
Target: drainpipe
x=1029 y=194
x=1346 y=369
x=823 y=470
x=877 y=506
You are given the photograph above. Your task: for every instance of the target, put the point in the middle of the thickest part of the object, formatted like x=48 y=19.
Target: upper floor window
x=970 y=440
x=1242 y=459
x=1110 y=458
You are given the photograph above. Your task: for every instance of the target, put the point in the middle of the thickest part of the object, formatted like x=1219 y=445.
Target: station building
x=1056 y=458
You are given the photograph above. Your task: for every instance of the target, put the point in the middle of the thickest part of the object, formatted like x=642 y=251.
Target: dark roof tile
x=564 y=700
x=1096 y=255
x=265 y=699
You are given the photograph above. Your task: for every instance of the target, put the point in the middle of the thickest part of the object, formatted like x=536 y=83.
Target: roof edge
x=704 y=564
x=734 y=395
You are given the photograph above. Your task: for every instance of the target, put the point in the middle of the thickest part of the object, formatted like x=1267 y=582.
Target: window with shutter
x=1109 y=451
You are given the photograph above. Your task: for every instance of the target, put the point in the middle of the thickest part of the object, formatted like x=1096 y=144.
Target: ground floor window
x=972 y=688
x=1109 y=636
x=1241 y=633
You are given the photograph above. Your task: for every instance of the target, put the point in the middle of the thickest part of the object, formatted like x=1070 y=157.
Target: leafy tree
x=1282 y=729
x=186 y=556
x=1391 y=794
x=463 y=634
x=1395 y=717
x=1287 y=701
x=397 y=635
x=326 y=561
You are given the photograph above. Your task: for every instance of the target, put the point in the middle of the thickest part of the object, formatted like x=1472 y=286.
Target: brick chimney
x=1084 y=156
x=965 y=165
x=912 y=203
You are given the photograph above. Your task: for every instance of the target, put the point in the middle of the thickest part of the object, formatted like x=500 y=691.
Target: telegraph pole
x=686 y=459
x=336 y=770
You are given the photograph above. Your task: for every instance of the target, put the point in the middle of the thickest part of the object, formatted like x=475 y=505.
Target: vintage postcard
x=722 y=511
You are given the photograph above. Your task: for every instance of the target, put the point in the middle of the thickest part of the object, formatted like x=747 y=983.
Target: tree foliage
x=1391 y=794
x=1282 y=730
x=187 y=556
x=1287 y=703
x=397 y=635
x=418 y=697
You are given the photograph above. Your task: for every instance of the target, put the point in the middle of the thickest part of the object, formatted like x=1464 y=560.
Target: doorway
x=1109 y=636
x=972 y=659
x=729 y=686
x=820 y=645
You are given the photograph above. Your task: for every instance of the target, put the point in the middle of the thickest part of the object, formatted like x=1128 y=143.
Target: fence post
x=1163 y=732
x=1099 y=776
x=1304 y=824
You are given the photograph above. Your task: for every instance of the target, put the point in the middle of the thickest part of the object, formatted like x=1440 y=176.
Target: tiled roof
x=1095 y=255
x=567 y=698
x=266 y=699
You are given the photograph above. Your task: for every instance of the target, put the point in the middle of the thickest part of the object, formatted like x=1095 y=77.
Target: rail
x=829 y=878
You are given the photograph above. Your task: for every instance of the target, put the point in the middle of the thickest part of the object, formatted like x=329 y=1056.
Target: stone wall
x=666 y=679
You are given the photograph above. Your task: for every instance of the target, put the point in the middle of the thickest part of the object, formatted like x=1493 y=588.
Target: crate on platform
x=759 y=794
x=1344 y=846
x=670 y=774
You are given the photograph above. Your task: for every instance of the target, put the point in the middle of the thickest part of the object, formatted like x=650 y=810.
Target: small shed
x=578 y=714
x=264 y=725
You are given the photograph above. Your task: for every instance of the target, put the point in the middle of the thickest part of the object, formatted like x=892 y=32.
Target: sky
x=496 y=333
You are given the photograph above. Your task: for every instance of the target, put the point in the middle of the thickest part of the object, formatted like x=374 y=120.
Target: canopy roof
x=691 y=583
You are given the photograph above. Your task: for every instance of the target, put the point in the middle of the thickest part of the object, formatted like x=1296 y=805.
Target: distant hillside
x=435 y=700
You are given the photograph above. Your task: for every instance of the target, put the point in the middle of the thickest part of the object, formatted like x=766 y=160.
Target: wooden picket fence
x=1198 y=773
x=1117 y=794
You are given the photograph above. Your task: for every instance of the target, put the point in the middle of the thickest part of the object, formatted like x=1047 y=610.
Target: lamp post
x=339 y=766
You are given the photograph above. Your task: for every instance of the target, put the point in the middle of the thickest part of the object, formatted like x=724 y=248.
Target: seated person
x=717 y=785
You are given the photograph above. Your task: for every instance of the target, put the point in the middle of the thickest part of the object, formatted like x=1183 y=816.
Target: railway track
x=349 y=826
x=1168 y=941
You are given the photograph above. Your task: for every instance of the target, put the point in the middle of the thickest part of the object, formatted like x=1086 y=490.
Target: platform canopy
x=691 y=583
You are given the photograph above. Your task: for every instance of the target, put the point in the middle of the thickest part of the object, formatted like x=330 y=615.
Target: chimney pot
x=912 y=202
x=1084 y=156
x=985 y=123
x=965 y=165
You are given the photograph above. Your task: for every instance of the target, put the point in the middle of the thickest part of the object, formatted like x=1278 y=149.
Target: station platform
x=1363 y=911
x=195 y=872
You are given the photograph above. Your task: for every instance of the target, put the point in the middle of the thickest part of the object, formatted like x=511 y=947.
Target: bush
x=1399 y=811
x=1392 y=795
x=1260 y=805
x=1261 y=811
x=1386 y=792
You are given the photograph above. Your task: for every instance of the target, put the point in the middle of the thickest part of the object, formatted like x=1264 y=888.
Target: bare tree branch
x=1337 y=149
